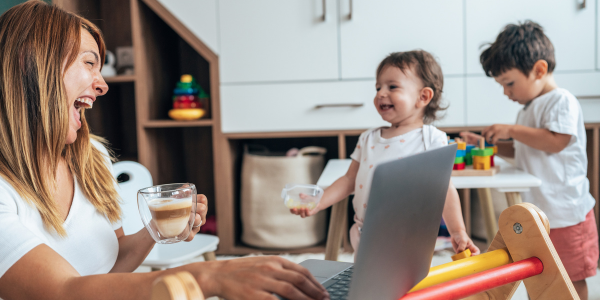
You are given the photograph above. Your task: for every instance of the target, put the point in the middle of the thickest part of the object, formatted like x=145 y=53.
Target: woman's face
x=83 y=82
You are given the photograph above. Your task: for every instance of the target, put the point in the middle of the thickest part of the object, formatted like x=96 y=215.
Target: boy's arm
x=538 y=138
x=454 y=221
x=339 y=190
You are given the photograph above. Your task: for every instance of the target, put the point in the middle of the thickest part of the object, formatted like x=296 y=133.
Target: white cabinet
x=200 y=17
x=370 y=30
x=586 y=87
x=299 y=106
x=274 y=40
x=570 y=28
x=487 y=104
x=453 y=97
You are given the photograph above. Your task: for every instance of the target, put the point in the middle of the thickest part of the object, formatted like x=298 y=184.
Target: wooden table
x=509 y=180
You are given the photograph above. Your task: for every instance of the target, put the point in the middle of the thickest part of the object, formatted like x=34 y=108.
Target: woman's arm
x=44 y=274
x=339 y=190
x=133 y=249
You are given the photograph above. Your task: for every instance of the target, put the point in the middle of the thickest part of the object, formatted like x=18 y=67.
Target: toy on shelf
x=474 y=161
x=521 y=250
x=190 y=102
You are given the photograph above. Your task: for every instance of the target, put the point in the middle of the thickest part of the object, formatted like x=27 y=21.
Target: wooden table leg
x=513 y=198
x=487 y=210
x=465 y=203
x=337 y=228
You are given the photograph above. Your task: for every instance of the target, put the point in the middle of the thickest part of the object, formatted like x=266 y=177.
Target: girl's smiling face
x=401 y=98
x=83 y=82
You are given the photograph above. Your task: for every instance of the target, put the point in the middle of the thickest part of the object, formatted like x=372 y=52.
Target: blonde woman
x=60 y=232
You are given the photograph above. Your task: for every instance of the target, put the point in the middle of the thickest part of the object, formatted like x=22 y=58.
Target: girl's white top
x=90 y=246
x=372 y=149
x=564 y=194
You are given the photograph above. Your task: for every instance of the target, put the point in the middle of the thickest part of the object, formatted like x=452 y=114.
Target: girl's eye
x=393 y=87
x=377 y=89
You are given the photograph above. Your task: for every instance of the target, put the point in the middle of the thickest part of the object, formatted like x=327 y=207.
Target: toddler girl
x=409 y=87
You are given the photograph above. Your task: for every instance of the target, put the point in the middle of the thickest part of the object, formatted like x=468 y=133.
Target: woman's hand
x=200 y=219
x=257 y=278
x=461 y=242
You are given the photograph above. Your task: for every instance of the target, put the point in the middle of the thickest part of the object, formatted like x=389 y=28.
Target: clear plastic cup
x=301 y=195
x=168 y=211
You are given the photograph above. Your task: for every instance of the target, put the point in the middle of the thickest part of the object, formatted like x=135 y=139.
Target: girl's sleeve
x=357 y=153
x=15 y=239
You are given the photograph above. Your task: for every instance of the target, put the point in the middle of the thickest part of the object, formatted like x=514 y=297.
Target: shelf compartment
x=120 y=79
x=174 y=123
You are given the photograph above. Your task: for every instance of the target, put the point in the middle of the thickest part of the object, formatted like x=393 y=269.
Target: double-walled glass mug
x=168 y=211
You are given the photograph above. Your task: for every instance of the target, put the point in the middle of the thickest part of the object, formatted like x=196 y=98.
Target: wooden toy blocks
x=482 y=156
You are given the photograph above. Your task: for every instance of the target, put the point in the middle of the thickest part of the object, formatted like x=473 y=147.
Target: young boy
x=408 y=96
x=549 y=142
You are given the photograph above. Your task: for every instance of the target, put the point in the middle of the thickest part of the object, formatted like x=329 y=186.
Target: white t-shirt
x=91 y=245
x=372 y=149
x=564 y=194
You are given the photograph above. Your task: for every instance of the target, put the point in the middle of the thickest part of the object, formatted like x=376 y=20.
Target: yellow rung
x=464 y=267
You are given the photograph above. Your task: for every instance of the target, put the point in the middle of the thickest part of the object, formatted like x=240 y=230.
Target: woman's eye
x=90 y=63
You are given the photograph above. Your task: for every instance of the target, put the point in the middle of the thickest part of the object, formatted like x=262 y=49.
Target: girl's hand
x=470 y=137
x=461 y=241
x=200 y=218
x=306 y=212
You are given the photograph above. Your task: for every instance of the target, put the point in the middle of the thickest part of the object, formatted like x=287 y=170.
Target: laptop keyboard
x=339 y=285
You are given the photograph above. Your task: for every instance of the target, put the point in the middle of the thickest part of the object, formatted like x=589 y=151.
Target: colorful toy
x=482 y=156
x=522 y=250
x=474 y=161
x=461 y=153
x=189 y=100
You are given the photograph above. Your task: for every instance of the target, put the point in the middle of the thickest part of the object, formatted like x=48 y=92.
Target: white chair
x=162 y=255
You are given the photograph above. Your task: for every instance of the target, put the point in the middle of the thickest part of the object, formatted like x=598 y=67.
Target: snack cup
x=301 y=195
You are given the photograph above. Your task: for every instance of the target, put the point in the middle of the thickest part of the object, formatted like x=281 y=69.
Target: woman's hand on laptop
x=259 y=278
x=461 y=242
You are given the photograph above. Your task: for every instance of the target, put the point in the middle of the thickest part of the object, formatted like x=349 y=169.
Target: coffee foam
x=160 y=204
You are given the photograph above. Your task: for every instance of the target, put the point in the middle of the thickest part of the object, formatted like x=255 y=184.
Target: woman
x=60 y=231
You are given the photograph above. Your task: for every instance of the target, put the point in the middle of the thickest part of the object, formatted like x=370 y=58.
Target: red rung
x=480 y=282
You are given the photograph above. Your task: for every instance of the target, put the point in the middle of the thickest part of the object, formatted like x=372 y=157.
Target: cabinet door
x=309 y=106
x=569 y=27
x=453 y=97
x=487 y=104
x=274 y=40
x=200 y=17
x=373 y=29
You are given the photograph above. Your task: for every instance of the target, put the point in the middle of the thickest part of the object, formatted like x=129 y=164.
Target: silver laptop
x=398 y=237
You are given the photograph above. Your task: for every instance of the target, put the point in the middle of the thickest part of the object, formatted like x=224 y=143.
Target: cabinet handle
x=324 y=10
x=350 y=13
x=339 y=105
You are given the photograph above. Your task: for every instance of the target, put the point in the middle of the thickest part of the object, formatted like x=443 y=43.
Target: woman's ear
x=425 y=97
x=540 y=68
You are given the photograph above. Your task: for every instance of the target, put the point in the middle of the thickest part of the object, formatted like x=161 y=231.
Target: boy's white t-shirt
x=91 y=245
x=372 y=149
x=564 y=194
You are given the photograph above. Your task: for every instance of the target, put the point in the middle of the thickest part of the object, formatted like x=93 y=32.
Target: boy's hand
x=497 y=132
x=461 y=241
x=470 y=137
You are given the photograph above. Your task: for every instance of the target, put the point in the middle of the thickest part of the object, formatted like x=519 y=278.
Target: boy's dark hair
x=426 y=68
x=518 y=46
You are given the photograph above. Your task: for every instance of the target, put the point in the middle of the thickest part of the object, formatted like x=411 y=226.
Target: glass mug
x=168 y=211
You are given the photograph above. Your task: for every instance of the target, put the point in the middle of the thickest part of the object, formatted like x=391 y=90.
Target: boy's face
x=398 y=94
x=518 y=87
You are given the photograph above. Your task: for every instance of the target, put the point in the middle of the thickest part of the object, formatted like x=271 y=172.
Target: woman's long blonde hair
x=38 y=42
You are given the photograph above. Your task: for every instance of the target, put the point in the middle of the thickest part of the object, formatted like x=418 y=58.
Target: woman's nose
x=100 y=85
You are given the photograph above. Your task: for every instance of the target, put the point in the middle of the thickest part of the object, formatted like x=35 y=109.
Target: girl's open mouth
x=385 y=106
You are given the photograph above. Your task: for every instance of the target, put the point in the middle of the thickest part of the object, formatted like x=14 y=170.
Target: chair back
x=133 y=177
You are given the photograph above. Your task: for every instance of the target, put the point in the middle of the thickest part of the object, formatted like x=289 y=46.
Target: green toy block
x=482 y=152
x=459 y=160
x=469 y=159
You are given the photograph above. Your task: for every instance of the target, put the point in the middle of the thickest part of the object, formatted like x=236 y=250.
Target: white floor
x=441 y=257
